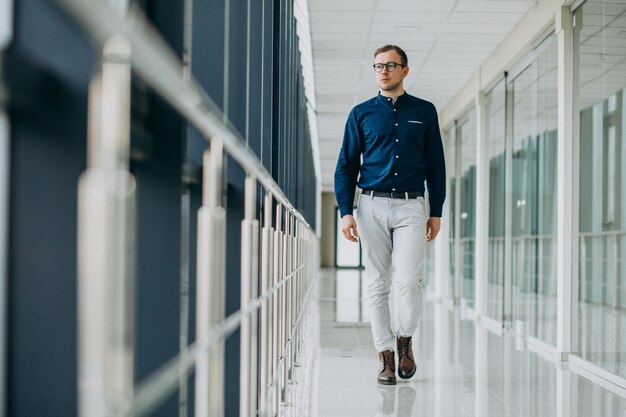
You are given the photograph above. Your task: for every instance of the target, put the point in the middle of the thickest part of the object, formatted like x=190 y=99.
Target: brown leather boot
x=406 y=363
x=387 y=375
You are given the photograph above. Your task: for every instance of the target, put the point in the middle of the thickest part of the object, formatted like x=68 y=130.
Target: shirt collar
x=383 y=99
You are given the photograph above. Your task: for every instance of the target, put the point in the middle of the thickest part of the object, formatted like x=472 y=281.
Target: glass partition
x=533 y=193
x=496 y=140
x=450 y=141
x=600 y=322
x=466 y=134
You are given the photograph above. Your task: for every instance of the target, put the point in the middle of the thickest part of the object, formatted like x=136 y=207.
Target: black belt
x=413 y=194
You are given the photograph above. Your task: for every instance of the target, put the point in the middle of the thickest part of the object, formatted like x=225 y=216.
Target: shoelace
x=403 y=347
x=387 y=360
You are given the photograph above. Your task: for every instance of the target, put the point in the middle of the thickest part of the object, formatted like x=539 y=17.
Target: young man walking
x=391 y=146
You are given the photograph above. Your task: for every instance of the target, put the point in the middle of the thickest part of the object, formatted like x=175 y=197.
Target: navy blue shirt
x=401 y=148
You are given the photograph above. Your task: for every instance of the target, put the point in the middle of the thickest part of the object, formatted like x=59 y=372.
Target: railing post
x=285 y=314
x=248 y=261
x=209 y=397
x=254 y=321
x=277 y=308
x=266 y=306
x=106 y=217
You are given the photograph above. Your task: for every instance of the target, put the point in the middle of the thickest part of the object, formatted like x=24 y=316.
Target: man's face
x=390 y=80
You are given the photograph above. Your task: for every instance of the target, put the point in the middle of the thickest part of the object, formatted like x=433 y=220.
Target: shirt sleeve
x=435 y=167
x=348 y=164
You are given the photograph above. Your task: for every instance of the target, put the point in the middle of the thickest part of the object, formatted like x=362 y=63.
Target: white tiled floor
x=463 y=370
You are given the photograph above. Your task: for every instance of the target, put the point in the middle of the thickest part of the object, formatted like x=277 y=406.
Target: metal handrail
x=106 y=244
x=154 y=61
x=161 y=382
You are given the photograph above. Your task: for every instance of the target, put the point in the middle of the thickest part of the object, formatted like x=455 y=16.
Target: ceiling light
x=407 y=28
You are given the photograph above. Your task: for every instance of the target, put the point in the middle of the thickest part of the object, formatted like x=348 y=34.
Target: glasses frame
x=386 y=65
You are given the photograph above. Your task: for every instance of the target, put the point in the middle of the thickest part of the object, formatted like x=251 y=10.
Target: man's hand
x=432 y=228
x=348 y=228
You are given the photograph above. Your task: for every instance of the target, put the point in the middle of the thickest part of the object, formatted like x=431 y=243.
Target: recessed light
x=407 y=28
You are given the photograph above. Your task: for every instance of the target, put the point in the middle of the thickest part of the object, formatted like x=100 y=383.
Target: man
x=397 y=136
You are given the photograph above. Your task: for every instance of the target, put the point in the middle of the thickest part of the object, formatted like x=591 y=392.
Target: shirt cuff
x=343 y=210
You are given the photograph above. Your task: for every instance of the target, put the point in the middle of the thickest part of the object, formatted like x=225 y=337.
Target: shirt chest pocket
x=415 y=129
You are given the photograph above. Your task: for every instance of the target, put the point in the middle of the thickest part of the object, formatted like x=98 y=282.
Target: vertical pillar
x=482 y=206
x=443 y=290
x=564 y=386
x=566 y=236
x=457 y=290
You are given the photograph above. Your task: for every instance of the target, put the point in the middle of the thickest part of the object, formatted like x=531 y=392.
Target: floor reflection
x=463 y=369
x=395 y=400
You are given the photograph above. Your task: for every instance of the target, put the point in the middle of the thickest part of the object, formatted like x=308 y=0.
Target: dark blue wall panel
x=48 y=95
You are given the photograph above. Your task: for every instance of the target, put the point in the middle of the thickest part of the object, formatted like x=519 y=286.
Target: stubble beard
x=389 y=87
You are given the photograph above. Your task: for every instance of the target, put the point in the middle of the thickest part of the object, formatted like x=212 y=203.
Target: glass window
x=600 y=322
x=466 y=134
x=496 y=140
x=533 y=209
x=450 y=139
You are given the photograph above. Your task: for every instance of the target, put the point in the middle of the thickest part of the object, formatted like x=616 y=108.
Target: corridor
x=171 y=240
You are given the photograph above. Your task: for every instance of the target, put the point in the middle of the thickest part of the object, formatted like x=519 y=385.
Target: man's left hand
x=432 y=228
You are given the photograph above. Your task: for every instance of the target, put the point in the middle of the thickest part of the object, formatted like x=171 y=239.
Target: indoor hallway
x=463 y=369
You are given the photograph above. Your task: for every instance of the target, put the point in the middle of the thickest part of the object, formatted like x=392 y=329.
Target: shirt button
x=397 y=157
x=396 y=124
x=388 y=99
x=397 y=140
x=394 y=109
x=395 y=173
x=393 y=189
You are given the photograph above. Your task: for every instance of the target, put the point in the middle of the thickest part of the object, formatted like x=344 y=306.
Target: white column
x=566 y=236
x=443 y=290
x=482 y=207
x=457 y=290
x=564 y=392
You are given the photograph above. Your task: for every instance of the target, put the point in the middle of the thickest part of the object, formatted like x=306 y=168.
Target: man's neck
x=393 y=94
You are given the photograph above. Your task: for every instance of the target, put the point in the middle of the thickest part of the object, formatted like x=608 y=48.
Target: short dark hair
x=389 y=47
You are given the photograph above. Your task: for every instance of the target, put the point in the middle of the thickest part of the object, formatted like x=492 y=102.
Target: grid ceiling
x=445 y=40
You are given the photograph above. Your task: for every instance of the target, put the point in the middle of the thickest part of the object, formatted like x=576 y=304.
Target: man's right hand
x=348 y=228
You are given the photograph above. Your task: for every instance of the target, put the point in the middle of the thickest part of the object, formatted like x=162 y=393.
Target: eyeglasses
x=390 y=66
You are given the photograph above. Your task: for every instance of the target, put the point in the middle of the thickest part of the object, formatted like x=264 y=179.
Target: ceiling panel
x=391 y=17
x=445 y=41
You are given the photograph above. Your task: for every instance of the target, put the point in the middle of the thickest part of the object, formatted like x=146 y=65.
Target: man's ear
x=405 y=71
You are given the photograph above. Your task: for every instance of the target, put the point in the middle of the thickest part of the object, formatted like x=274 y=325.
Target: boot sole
x=404 y=376
x=387 y=382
